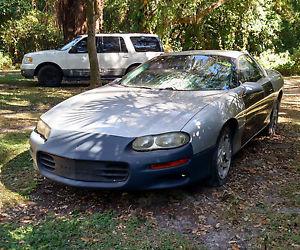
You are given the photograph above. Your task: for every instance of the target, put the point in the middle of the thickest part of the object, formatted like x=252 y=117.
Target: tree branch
x=201 y=13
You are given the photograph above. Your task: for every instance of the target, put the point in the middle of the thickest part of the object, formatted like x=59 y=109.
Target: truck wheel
x=50 y=76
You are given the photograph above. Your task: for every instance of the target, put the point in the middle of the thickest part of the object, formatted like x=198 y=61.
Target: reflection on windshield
x=70 y=44
x=183 y=72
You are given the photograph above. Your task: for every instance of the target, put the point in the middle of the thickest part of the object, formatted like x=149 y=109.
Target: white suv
x=117 y=55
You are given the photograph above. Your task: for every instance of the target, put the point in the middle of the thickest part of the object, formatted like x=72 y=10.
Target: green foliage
x=13 y=9
x=285 y=62
x=259 y=26
x=5 y=62
x=293 y=66
x=270 y=59
x=249 y=24
x=34 y=31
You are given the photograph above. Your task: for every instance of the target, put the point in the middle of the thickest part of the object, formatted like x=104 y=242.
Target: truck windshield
x=70 y=44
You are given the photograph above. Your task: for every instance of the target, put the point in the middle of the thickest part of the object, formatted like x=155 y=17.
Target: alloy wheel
x=224 y=156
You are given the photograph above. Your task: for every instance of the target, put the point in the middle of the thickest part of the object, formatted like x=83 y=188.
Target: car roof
x=124 y=34
x=226 y=53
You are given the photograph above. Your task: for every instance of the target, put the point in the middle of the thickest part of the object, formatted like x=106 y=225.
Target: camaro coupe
x=175 y=120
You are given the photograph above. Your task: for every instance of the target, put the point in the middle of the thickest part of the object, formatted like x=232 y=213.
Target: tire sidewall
x=45 y=81
x=215 y=179
x=275 y=107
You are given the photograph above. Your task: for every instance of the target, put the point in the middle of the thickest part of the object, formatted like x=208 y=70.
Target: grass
x=260 y=203
x=96 y=231
x=282 y=230
x=22 y=102
x=17 y=177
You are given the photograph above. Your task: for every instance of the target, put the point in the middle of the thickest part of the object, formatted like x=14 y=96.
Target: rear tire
x=270 y=130
x=50 y=76
x=222 y=158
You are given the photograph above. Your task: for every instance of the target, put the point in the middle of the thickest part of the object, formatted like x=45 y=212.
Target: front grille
x=84 y=170
x=47 y=162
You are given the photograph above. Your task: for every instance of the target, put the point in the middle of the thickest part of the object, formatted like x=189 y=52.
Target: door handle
x=125 y=56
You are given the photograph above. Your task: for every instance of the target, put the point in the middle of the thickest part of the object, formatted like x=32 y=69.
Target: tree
x=94 y=14
x=71 y=18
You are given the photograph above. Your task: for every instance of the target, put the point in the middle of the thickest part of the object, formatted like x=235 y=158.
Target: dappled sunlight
x=9 y=199
x=22 y=104
x=253 y=187
x=143 y=111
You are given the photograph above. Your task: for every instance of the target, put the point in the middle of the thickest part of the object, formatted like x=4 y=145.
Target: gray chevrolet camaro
x=175 y=120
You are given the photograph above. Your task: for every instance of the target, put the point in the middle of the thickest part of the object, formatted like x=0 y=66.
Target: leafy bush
x=271 y=60
x=286 y=63
x=34 y=31
x=5 y=62
x=13 y=9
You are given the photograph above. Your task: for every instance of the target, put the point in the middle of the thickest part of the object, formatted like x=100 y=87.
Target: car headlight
x=163 y=141
x=28 y=60
x=43 y=129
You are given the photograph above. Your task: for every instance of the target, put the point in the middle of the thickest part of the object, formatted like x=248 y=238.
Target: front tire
x=50 y=76
x=222 y=158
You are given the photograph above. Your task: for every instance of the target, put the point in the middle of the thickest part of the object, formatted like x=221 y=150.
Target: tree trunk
x=92 y=14
x=71 y=18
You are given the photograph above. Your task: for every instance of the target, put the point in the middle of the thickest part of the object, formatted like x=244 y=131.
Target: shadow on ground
x=257 y=207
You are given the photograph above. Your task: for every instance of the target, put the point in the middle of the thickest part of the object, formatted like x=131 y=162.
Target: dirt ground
x=259 y=207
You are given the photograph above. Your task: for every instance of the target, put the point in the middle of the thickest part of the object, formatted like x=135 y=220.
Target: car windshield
x=70 y=44
x=183 y=72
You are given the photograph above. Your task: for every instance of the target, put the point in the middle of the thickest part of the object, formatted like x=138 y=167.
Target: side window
x=81 y=46
x=249 y=71
x=110 y=44
x=146 y=44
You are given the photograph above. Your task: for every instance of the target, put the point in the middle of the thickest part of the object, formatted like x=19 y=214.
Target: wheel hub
x=224 y=156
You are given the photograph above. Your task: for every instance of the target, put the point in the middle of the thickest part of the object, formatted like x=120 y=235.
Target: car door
x=112 y=55
x=77 y=62
x=256 y=96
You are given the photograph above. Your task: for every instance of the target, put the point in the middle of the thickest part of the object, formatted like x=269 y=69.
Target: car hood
x=128 y=112
x=44 y=52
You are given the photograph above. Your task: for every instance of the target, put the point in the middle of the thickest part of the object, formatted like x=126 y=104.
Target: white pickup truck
x=117 y=55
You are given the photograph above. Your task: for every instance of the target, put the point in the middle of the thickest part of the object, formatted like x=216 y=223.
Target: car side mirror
x=251 y=87
x=73 y=50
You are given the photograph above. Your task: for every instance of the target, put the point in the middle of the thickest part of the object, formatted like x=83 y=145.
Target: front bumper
x=27 y=73
x=27 y=70
x=75 y=154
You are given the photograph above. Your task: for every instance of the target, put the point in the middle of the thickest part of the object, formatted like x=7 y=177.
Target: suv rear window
x=146 y=44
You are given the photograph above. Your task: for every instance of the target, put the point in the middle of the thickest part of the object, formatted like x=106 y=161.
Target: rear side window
x=146 y=44
x=111 y=44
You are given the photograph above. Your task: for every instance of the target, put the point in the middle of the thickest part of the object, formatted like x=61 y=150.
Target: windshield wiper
x=168 y=88
x=139 y=87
